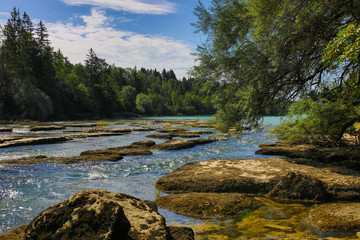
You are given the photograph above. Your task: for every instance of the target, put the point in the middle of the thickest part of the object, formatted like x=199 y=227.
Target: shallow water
x=26 y=191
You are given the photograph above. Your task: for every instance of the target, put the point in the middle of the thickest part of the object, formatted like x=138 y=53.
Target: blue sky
x=143 y=33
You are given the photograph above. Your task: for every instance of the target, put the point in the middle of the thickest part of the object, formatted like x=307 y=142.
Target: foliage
x=319 y=122
x=264 y=54
x=39 y=83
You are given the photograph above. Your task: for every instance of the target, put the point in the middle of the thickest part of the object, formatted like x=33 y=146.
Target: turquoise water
x=26 y=191
x=274 y=120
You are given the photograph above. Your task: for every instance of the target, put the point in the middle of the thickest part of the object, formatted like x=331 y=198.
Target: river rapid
x=26 y=191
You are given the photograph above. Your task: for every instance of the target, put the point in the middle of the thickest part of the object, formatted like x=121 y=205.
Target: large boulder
x=95 y=214
x=260 y=176
x=209 y=205
x=86 y=215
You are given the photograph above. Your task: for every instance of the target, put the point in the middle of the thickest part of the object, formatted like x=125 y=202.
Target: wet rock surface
x=209 y=205
x=347 y=157
x=80 y=125
x=176 y=144
x=299 y=186
x=260 y=176
x=96 y=214
x=5 y=129
x=160 y=136
x=336 y=217
x=33 y=141
x=46 y=128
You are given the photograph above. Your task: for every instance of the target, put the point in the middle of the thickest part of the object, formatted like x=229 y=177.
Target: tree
x=265 y=53
x=144 y=104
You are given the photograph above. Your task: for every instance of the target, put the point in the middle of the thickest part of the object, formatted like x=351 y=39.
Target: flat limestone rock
x=98 y=214
x=176 y=144
x=336 y=217
x=46 y=128
x=209 y=205
x=10 y=138
x=308 y=151
x=34 y=141
x=98 y=134
x=160 y=136
x=81 y=125
x=110 y=154
x=258 y=176
x=5 y=129
x=25 y=161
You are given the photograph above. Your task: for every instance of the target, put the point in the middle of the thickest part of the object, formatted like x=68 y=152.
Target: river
x=26 y=191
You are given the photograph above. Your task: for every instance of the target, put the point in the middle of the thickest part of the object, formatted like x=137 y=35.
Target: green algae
x=274 y=220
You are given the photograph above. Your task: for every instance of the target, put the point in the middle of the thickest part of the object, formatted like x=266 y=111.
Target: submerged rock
x=96 y=214
x=260 y=176
x=336 y=217
x=209 y=205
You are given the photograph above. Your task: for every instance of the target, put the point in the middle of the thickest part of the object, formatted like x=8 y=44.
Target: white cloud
x=123 y=48
x=3 y=17
x=134 y=6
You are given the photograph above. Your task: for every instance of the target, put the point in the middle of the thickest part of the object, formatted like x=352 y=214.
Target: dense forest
x=39 y=83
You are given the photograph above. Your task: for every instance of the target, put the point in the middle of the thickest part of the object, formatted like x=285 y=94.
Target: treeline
x=37 y=82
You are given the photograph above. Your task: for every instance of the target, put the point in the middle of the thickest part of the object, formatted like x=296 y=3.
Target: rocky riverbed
x=224 y=193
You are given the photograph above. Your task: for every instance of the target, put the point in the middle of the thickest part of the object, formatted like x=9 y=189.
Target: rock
x=120 y=130
x=309 y=151
x=15 y=234
x=299 y=186
x=180 y=233
x=111 y=154
x=97 y=134
x=146 y=144
x=5 y=129
x=81 y=125
x=176 y=144
x=166 y=136
x=358 y=234
x=203 y=140
x=86 y=215
x=259 y=176
x=96 y=214
x=46 y=128
x=343 y=217
x=185 y=135
x=209 y=205
x=142 y=129
x=25 y=161
x=10 y=138
x=278 y=227
x=34 y=141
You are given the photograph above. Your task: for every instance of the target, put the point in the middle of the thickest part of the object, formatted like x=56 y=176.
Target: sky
x=128 y=33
